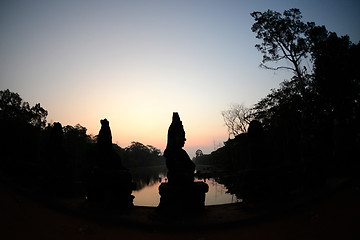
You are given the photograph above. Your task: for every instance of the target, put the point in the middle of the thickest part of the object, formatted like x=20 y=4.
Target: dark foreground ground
x=335 y=216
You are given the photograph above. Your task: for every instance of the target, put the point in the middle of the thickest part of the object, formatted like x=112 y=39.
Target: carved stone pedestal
x=189 y=197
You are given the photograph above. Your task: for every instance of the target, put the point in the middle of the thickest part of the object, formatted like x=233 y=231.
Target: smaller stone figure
x=180 y=167
x=109 y=182
x=109 y=158
x=104 y=139
x=56 y=169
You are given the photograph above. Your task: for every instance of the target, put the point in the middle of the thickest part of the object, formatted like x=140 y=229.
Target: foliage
x=21 y=129
x=315 y=114
x=282 y=103
x=12 y=107
x=331 y=91
x=57 y=154
x=139 y=155
x=336 y=82
x=237 y=118
x=76 y=142
x=284 y=37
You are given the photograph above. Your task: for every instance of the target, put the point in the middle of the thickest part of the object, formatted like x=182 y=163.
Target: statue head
x=176 y=133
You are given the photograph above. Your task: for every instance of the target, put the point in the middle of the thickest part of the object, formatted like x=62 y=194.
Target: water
x=148 y=189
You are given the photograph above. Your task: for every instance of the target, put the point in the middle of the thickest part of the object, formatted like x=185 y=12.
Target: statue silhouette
x=104 y=140
x=180 y=167
x=180 y=193
x=108 y=158
x=257 y=152
x=109 y=183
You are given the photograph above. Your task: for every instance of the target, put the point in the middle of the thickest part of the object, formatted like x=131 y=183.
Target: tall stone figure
x=180 y=167
x=109 y=184
x=180 y=192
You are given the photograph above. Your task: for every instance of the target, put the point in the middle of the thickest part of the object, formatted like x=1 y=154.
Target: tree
x=11 y=105
x=321 y=107
x=198 y=153
x=237 y=118
x=137 y=147
x=12 y=108
x=281 y=109
x=336 y=73
x=38 y=116
x=285 y=37
x=154 y=151
x=137 y=154
x=75 y=138
x=76 y=132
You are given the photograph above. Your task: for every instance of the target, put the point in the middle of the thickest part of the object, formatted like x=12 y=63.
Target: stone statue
x=180 y=194
x=56 y=171
x=107 y=157
x=109 y=183
x=180 y=167
x=104 y=139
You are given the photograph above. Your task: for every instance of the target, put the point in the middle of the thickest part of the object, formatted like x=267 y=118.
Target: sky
x=136 y=62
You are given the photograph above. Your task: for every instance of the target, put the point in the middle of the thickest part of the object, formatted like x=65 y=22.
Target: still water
x=147 y=193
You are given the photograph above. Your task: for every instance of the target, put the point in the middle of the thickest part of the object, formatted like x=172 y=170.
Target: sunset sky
x=136 y=62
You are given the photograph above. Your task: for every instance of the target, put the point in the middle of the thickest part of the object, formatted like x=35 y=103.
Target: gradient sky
x=136 y=62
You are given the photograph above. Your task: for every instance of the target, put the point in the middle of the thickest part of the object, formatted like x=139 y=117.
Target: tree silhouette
x=21 y=128
x=237 y=118
x=38 y=116
x=285 y=37
x=12 y=107
x=139 y=155
x=336 y=74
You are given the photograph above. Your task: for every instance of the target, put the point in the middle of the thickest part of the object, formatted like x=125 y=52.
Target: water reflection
x=148 y=176
x=149 y=179
x=218 y=194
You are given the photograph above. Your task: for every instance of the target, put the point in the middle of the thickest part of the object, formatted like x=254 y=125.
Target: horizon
x=135 y=63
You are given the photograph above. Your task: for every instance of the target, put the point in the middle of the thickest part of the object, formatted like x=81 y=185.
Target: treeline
x=312 y=120
x=138 y=155
x=32 y=149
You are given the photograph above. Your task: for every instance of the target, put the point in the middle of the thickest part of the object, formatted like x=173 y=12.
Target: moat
x=149 y=179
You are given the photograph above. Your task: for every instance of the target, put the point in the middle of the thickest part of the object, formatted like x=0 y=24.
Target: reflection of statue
x=180 y=167
x=181 y=193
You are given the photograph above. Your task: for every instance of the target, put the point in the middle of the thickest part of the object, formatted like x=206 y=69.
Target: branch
x=276 y=68
x=301 y=55
x=282 y=46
